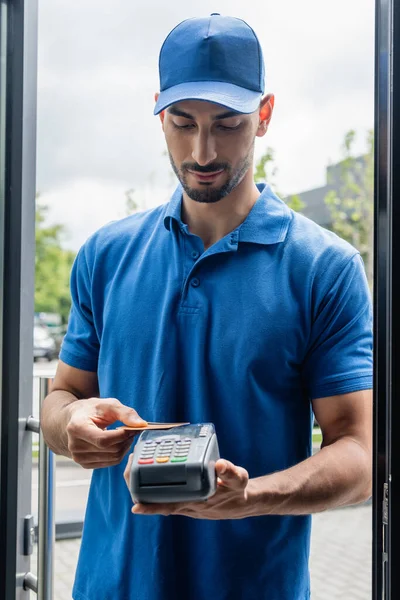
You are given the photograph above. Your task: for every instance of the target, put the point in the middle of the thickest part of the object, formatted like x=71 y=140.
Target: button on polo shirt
x=243 y=335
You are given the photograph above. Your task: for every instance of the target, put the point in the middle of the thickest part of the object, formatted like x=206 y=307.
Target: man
x=225 y=306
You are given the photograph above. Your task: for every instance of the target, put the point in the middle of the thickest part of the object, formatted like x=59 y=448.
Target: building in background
x=315 y=207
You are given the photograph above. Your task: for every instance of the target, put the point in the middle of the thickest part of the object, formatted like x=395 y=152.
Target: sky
x=98 y=72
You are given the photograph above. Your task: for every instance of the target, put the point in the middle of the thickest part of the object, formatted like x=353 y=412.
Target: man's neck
x=213 y=221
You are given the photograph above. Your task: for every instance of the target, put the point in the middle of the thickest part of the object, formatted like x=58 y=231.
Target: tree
x=265 y=170
x=131 y=205
x=351 y=204
x=52 y=267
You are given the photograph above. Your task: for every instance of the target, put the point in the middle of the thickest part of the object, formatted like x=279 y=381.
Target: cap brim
x=226 y=94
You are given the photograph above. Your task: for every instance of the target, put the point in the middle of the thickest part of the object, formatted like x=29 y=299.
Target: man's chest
x=229 y=305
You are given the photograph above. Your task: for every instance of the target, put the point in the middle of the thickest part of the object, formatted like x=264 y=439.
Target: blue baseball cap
x=217 y=59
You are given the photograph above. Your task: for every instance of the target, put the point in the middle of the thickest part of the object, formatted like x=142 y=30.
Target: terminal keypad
x=166 y=450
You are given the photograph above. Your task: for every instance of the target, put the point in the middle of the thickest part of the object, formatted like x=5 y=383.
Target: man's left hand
x=232 y=499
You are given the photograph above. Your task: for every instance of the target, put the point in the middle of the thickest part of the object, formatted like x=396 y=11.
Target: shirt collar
x=267 y=222
x=174 y=209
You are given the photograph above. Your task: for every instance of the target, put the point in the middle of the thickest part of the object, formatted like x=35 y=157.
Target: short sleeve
x=339 y=357
x=80 y=347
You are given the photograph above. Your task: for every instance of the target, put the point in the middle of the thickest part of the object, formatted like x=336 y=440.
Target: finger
x=77 y=445
x=111 y=457
x=156 y=509
x=94 y=435
x=112 y=410
x=166 y=510
x=99 y=465
x=230 y=475
x=127 y=472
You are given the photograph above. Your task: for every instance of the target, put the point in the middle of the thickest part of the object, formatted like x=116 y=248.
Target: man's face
x=210 y=147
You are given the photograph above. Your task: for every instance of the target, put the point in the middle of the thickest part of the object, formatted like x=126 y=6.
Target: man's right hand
x=89 y=442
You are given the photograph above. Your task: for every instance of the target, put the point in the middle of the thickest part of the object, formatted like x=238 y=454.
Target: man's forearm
x=54 y=419
x=337 y=475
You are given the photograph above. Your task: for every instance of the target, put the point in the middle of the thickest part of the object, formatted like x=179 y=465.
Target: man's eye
x=190 y=126
x=225 y=128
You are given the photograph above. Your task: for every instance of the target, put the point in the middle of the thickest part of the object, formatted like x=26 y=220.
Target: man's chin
x=209 y=196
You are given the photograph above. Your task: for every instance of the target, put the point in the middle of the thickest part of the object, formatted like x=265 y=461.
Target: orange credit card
x=153 y=426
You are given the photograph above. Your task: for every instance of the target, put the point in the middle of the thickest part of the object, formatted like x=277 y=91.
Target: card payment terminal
x=175 y=465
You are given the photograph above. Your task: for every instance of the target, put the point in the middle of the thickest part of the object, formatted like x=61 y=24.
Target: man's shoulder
x=130 y=225
x=117 y=234
x=316 y=246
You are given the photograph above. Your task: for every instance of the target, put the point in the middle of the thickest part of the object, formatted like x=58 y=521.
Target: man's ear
x=162 y=113
x=266 y=109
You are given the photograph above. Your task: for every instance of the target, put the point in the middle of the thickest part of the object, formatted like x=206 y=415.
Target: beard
x=210 y=194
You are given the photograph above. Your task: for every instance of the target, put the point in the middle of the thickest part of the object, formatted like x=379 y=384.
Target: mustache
x=207 y=169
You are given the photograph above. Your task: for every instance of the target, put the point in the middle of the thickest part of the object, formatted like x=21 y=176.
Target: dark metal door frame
x=18 y=73
x=386 y=575
x=381 y=312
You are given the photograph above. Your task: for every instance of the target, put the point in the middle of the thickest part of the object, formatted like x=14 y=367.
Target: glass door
x=18 y=35
x=386 y=579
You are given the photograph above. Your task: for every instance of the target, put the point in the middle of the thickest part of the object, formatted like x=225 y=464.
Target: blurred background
x=101 y=155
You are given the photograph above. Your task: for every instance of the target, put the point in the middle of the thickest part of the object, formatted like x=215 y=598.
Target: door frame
x=18 y=81
x=386 y=467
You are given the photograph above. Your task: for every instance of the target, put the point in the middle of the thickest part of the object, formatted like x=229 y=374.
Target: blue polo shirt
x=245 y=335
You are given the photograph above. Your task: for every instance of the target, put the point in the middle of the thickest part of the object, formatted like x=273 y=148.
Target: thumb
x=126 y=415
x=230 y=475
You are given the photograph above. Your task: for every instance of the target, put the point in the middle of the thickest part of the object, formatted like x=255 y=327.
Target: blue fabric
x=216 y=58
x=280 y=314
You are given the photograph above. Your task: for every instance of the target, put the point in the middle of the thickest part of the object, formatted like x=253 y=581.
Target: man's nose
x=204 y=151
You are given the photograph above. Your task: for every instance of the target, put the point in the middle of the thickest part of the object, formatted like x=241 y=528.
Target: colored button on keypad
x=145 y=461
x=162 y=459
x=178 y=459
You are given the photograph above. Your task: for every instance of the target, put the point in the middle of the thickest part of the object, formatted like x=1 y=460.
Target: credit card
x=153 y=426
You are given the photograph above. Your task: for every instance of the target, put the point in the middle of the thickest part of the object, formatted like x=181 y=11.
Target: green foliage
x=351 y=206
x=295 y=203
x=131 y=205
x=265 y=170
x=52 y=268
